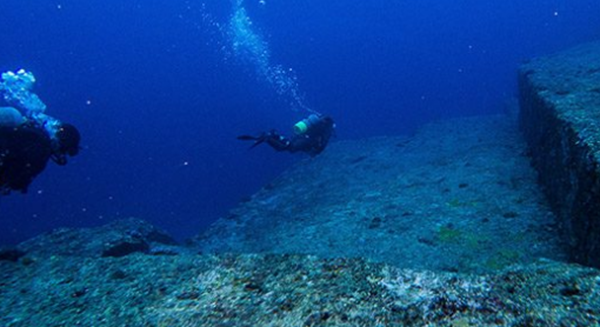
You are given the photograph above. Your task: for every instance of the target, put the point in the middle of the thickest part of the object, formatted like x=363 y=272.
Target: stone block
x=560 y=118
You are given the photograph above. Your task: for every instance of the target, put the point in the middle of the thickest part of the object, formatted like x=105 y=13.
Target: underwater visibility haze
x=160 y=89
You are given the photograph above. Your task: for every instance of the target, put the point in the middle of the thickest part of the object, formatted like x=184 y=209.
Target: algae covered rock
x=116 y=239
x=288 y=290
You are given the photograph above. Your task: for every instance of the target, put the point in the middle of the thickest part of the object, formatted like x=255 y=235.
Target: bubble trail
x=251 y=49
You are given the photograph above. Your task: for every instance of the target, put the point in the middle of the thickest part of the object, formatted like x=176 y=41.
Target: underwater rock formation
x=444 y=228
x=116 y=239
x=459 y=195
x=560 y=118
x=142 y=290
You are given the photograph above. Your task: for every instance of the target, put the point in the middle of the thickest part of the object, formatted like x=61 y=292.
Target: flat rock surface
x=287 y=290
x=460 y=195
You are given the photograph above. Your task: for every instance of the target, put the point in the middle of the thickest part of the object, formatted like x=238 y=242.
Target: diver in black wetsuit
x=312 y=136
x=26 y=149
x=28 y=136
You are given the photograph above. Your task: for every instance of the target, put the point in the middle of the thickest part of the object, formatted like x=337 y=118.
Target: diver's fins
x=247 y=137
x=257 y=139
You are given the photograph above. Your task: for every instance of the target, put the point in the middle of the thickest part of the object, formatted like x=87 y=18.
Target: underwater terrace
x=480 y=221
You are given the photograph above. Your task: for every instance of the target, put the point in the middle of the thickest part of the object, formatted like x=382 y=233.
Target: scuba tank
x=10 y=117
x=305 y=124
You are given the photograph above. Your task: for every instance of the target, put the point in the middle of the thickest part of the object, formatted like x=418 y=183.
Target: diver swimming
x=28 y=137
x=311 y=135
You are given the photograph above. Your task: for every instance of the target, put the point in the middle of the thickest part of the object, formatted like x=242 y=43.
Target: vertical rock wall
x=560 y=118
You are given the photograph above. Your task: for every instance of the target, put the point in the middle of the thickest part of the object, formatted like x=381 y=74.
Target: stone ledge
x=560 y=118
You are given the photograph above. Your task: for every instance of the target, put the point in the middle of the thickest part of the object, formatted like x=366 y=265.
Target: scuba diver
x=28 y=136
x=26 y=149
x=312 y=135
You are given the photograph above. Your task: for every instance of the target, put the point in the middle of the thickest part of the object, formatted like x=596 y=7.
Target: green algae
x=502 y=259
x=449 y=235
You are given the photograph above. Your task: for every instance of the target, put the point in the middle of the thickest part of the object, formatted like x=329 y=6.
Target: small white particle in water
x=556 y=13
x=185 y=163
x=88 y=102
x=59 y=7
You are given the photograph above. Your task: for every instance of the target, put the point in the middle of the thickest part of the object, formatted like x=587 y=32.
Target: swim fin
x=257 y=139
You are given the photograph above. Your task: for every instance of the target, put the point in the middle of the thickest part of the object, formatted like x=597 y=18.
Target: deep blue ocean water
x=160 y=89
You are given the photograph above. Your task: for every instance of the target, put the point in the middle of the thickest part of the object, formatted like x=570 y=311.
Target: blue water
x=160 y=89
